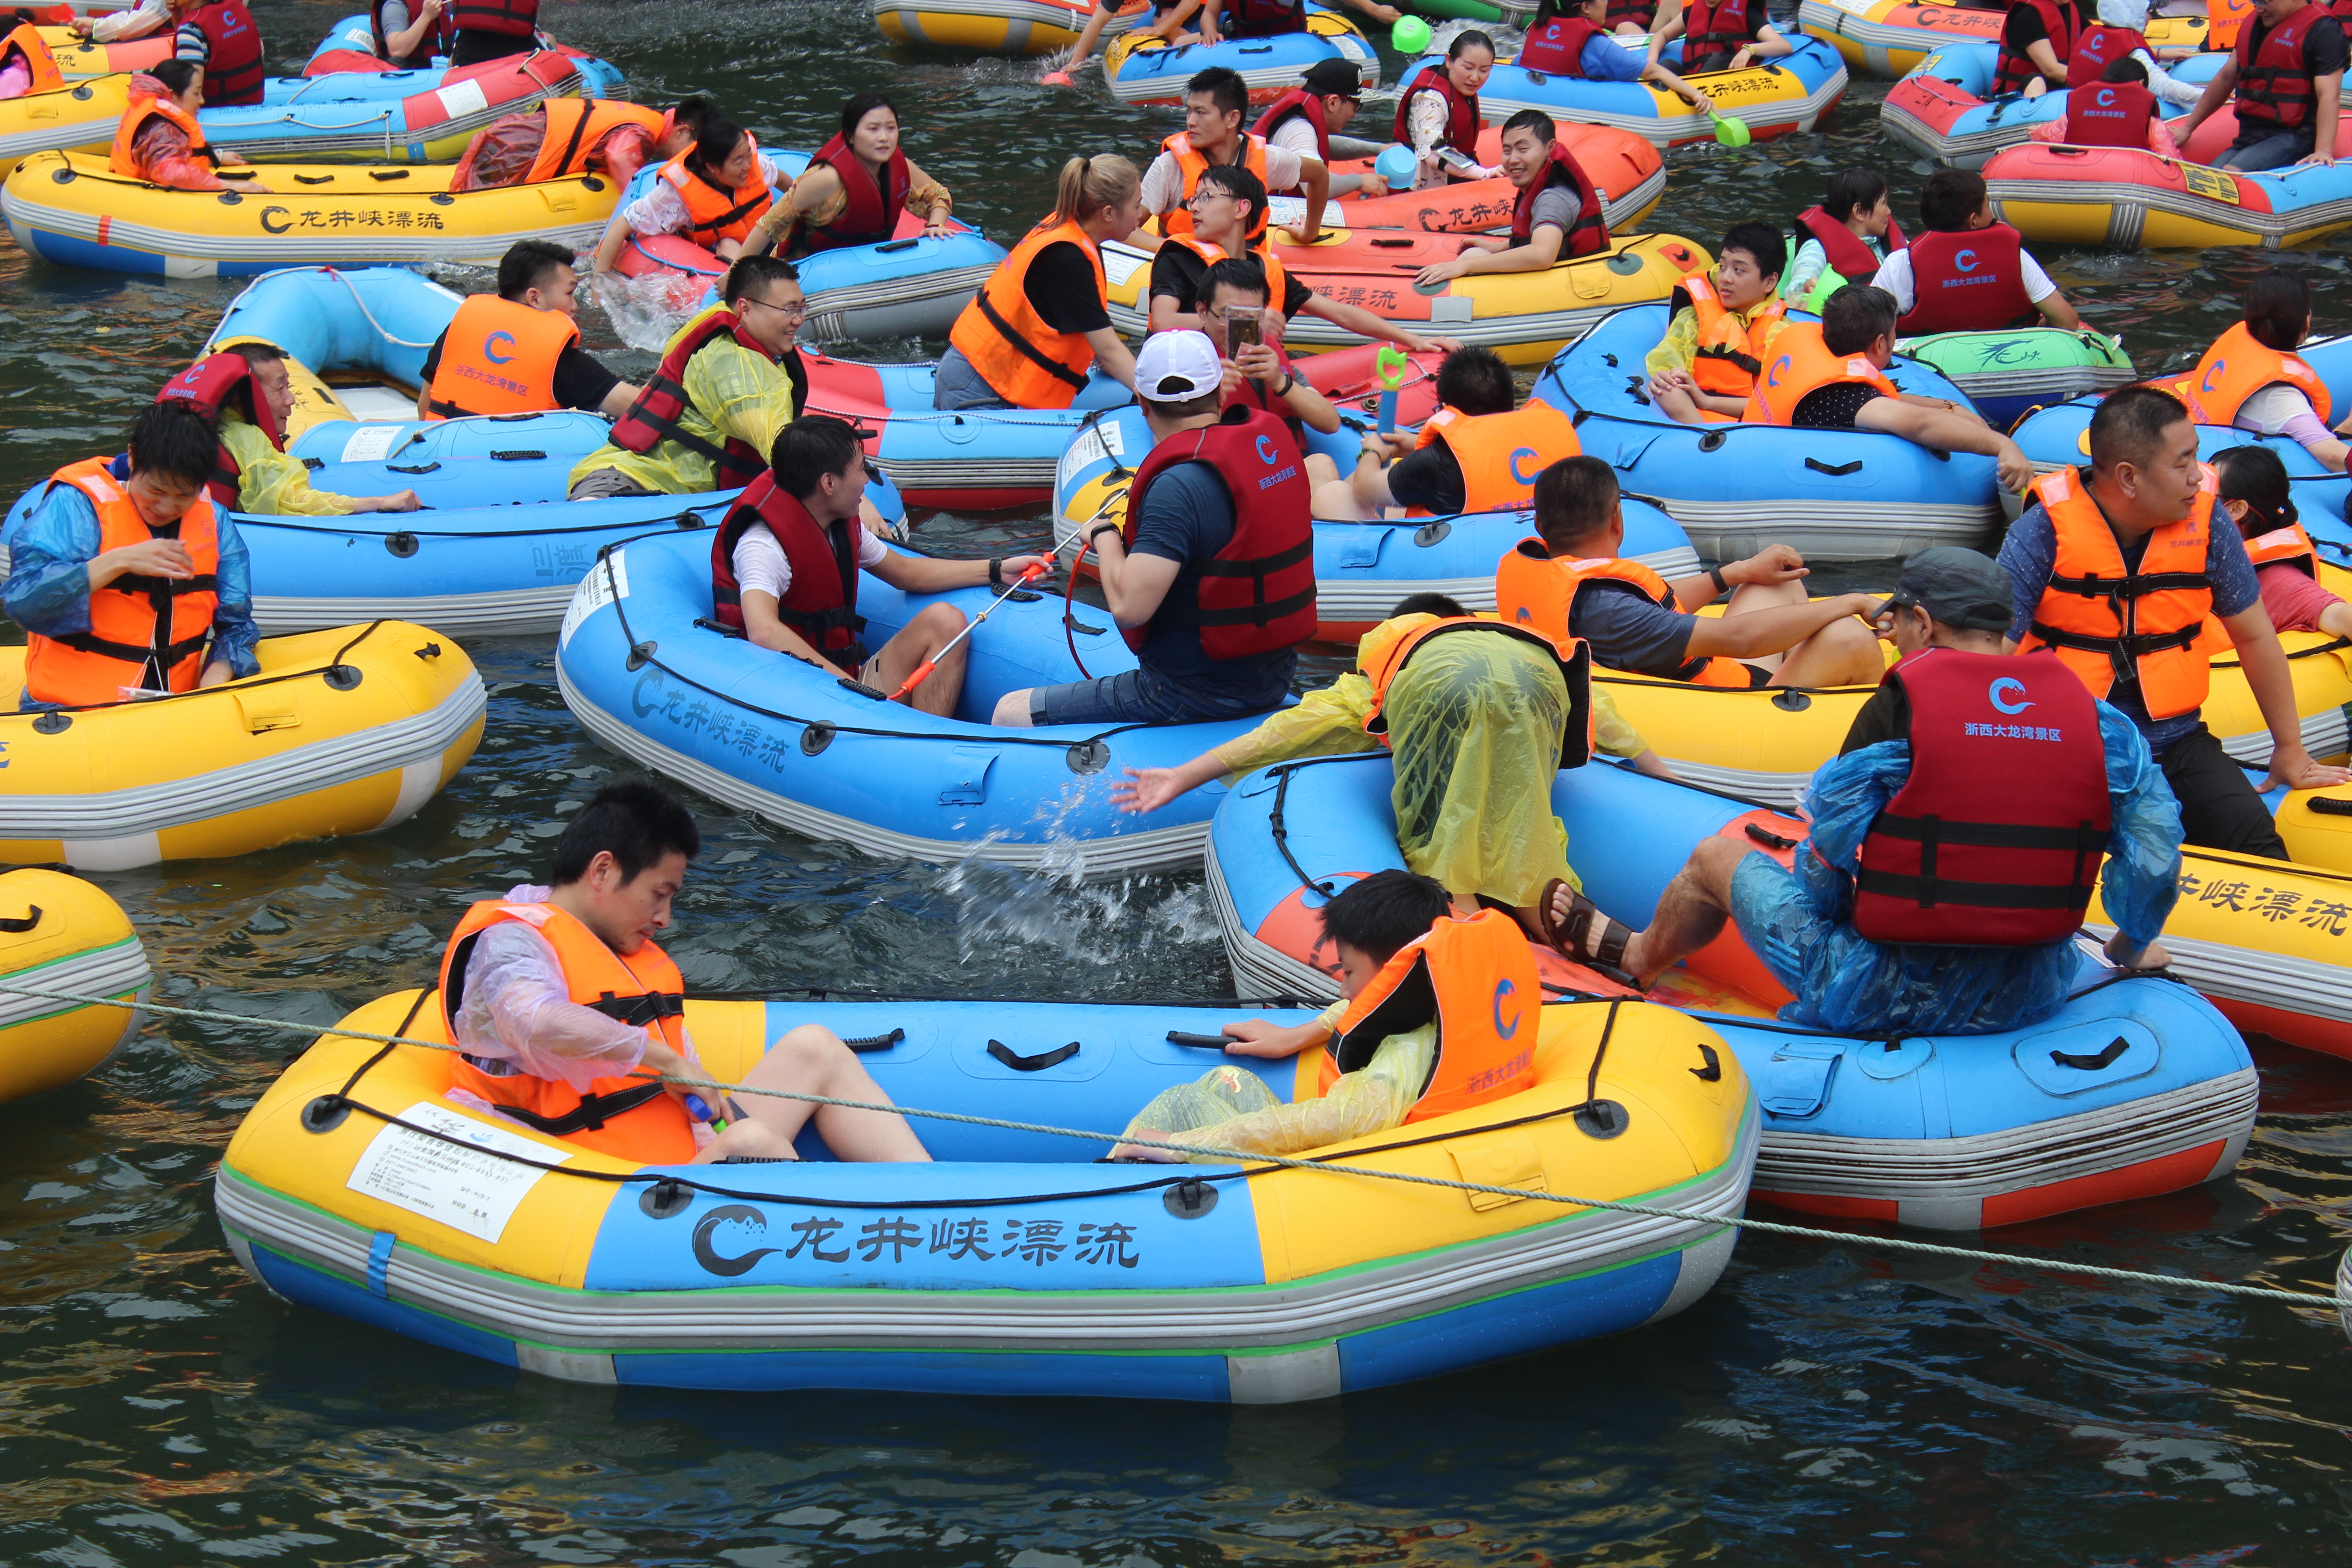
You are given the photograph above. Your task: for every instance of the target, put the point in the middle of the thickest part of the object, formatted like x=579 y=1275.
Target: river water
x=1829 y=1403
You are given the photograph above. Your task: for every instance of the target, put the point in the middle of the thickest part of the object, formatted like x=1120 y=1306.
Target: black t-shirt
x=1062 y=290
x=2325 y=50
x=1180 y=275
x=1430 y=478
x=2023 y=27
x=1885 y=717
x=581 y=381
x=1832 y=407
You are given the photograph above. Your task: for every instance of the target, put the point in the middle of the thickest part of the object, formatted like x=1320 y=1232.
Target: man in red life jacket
x=1214 y=102
x=1968 y=273
x=248 y=394
x=518 y=350
x=785 y=564
x=2037 y=40
x=1720 y=35
x=1258 y=374
x=1954 y=844
x=2288 y=73
x=1211 y=576
x=1558 y=214
x=491 y=29
x=570 y=1016
x=1304 y=120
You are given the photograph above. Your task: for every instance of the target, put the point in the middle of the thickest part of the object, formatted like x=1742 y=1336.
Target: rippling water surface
x=1829 y=1403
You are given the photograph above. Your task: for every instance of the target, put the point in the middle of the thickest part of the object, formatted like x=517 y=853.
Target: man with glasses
x=729 y=381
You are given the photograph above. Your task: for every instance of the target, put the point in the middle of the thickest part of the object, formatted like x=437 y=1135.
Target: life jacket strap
x=639 y=1011
x=2139 y=584
x=1004 y=330
x=590 y=1115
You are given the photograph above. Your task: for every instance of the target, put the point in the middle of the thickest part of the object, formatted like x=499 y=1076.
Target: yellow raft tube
x=60 y=933
x=1015 y=1265
x=998 y=26
x=342 y=732
x=72 y=210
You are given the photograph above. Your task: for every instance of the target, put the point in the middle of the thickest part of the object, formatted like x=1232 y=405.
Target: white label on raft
x=1861 y=8
x=473 y=1189
x=595 y=591
x=370 y=443
x=461 y=99
x=1285 y=212
x=1119 y=263
x=1086 y=449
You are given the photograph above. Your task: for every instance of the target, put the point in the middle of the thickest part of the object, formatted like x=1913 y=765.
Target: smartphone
x=1241 y=329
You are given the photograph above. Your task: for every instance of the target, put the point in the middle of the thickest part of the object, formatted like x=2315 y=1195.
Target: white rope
x=1245 y=1157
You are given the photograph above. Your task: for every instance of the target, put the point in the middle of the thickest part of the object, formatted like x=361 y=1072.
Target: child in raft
x=1399 y=1052
x=2255 y=494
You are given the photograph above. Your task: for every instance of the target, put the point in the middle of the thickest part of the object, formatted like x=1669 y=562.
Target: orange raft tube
x=1628 y=173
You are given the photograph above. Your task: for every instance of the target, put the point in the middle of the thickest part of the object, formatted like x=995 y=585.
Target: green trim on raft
x=1457 y=10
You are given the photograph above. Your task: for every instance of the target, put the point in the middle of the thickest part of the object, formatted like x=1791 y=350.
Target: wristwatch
x=996 y=572
x=1289 y=380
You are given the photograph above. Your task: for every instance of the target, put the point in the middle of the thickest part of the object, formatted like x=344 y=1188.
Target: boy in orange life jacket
x=2109 y=103
x=1720 y=327
x=1425 y=473
x=1960 y=736
x=576 y=135
x=106 y=542
x=1977 y=277
x=1368 y=923
x=2144 y=511
x=787 y=559
x=2254 y=491
x=1215 y=100
x=1769 y=635
x=520 y=351
x=2288 y=74
x=517 y=969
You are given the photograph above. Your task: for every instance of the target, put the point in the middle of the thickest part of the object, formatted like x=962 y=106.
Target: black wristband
x=996 y=572
x=1098 y=529
x=1720 y=585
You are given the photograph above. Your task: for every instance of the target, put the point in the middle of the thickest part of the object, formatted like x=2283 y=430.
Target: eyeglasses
x=797 y=312
x=1200 y=196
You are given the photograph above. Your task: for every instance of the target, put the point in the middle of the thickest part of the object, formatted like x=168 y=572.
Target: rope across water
x=1265 y=1162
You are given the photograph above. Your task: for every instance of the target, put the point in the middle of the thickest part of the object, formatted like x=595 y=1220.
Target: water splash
x=643 y=311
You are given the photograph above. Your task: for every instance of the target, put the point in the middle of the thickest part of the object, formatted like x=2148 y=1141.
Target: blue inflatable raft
x=1778 y=96
x=1946 y=111
x=1142 y=69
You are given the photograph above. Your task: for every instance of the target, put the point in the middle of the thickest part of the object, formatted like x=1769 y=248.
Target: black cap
x=1327 y=77
x=1958 y=588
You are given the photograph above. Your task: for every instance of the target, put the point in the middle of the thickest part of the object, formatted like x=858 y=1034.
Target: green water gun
x=1392 y=365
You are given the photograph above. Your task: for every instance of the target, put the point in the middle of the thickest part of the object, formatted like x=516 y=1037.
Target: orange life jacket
x=2106 y=621
x=214 y=383
x=632 y=1118
x=1802 y=364
x=1192 y=164
x=714 y=211
x=2288 y=543
x=1729 y=351
x=576 y=127
x=1501 y=454
x=1531 y=589
x=1277 y=277
x=125 y=162
x=1026 y=362
x=500 y=357
x=26 y=39
x=145 y=632
x=2235 y=368
x=1383 y=661
x=1476 y=979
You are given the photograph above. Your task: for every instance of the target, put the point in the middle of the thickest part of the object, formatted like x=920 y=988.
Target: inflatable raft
x=350 y=48
x=79 y=59
x=2007 y=373
x=60 y=933
x=70 y=210
x=1012 y=1265
x=1525 y=317
x=1836 y=495
x=2133 y=1088
x=1946 y=111
x=1362 y=569
x=1141 y=68
x=1628 y=173
x=342 y=732
x=2124 y=199
x=1778 y=96
x=1889 y=39
x=995 y=26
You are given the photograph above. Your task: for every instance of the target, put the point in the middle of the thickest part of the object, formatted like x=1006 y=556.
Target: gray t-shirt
x=1629 y=630
x=1558 y=205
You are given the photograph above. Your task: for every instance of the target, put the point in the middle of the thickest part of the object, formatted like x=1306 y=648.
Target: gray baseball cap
x=1958 y=588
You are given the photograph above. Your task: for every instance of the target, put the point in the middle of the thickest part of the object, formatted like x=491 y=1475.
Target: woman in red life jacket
x=1855 y=220
x=1967 y=272
x=853 y=189
x=2252 y=379
x=221 y=36
x=2288 y=74
x=570 y=1016
x=2255 y=493
x=406 y=37
x=2116 y=111
x=1558 y=214
x=2037 y=40
x=712 y=193
x=160 y=140
x=1720 y=35
x=1437 y=112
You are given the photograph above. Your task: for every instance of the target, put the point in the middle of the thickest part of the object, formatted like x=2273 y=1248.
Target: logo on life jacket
x=2217 y=366
x=1265 y=452
x=1504 y=988
x=2106 y=97
x=491 y=345
x=1772 y=377
x=1965 y=260
x=2011 y=683
x=1517 y=454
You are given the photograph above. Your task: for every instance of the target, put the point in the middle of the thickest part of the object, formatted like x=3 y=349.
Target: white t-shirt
x=661 y=210
x=1296 y=134
x=1895 y=277
x=1163 y=182
x=761 y=565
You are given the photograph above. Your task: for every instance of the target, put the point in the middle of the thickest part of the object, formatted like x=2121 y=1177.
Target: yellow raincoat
x=1230 y=1108
x=267 y=479
x=731 y=393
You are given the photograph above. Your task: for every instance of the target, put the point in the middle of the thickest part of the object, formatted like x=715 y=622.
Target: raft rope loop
x=1255 y=1165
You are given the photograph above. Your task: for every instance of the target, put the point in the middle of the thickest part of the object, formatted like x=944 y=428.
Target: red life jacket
x=509 y=18
x=1588 y=234
x=1996 y=838
x=1556 y=47
x=1968 y=282
x=433 y=40
x=2274 y=86
x=872 y=214
x=653 y=418
x=233 y=67
x=1849 y=257
x=821 y=601
x=218 y=381
x=1461 y=112
x=1306 y=105
x=1257 y=593
x=2061 y=22
x=2099 y=47
x=2110 y=114
x=1264 y=18
x=1631 y=11
x=1714 y=31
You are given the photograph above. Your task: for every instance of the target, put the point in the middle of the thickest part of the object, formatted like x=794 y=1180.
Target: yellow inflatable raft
x=81 y=116
x=79 y=59
x=342 y=732
x=60 y=933
x=997 y=27
x=70 y=209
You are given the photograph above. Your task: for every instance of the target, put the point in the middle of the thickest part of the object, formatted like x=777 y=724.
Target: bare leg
x=1843 y=653
x=812 y=1060
x=1749 y=597
x=1335 y=501
x=1322 y=470
x=922 y=638
x=1692 y=911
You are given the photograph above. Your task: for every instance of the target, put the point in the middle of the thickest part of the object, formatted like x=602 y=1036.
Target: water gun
x=1392 y=365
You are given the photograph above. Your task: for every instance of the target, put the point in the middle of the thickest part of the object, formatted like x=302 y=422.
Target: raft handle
x=1713 y=1071
x=859 y=687
x=1037 y=1063
x=894 y=245
x=387 y=174
x=520 y=455
x=314 y=179
x=708 y=625
x=430 y=650
x=875 y=1042
x=1834 y=470
x=1083 y=628
x=2330 y=805
x=420 y=468
x=31 y=918
x=1770 y=841
x=2115 y=1047
x=1199 y=1042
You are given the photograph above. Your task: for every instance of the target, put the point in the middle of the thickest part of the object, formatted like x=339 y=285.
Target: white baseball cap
x=1176 y=367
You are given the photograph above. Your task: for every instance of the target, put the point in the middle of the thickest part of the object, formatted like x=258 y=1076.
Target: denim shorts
x=1139 y=695
x=2256 y=149
x=956 y=384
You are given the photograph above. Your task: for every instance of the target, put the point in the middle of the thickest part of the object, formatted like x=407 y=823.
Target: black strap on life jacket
x=637 y=1012
x=579 y=128
x=1054 y=368
x=2124 y=650
x=590 y=1115
x=741 y=209
x=1927 y=890
x=1253 y=615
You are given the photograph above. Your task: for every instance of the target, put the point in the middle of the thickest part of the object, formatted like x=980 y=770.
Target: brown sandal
x=1587 y=936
